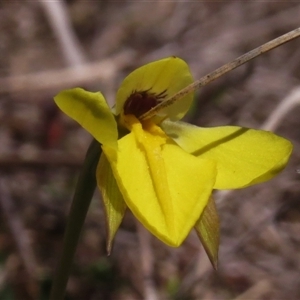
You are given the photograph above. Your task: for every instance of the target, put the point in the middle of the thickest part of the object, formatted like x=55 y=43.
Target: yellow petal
x=208 y=230
x=91 y=111
x=243 y=156
x=170 y=74
x=114 y=204
x=165 y=187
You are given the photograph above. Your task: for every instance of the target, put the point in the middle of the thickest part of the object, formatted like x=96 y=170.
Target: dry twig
x=61 y=25
x=103 y=71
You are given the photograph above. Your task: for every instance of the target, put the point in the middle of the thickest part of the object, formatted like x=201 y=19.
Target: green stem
x=81 y=201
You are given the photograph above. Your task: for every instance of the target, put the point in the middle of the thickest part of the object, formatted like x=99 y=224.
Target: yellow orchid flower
x=162 y=169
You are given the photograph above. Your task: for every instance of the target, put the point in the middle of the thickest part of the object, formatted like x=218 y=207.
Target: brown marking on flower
x=139 y=102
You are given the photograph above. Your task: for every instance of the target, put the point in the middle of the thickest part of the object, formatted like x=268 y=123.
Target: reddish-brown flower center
x=139 y=102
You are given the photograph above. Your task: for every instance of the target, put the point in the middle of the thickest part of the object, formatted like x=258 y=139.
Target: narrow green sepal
x=113 y=202
x=84 y=192
x=208 y=230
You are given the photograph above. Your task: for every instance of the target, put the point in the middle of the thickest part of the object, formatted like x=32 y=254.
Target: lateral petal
x=170 y=74
x=91 y=111
x=165 y=187
x=244 y=156
x=114 y=204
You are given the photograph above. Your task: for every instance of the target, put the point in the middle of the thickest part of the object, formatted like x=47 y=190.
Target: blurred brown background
x=47 y=46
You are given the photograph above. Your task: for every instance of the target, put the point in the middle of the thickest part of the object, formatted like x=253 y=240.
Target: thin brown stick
x=102 y=71
x=282 y=109
x=223 y=70
x=59 y=20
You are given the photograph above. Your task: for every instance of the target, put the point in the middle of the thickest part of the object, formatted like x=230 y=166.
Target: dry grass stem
x=282 y=109
x=103 y=71
x=60 y=22
x=223 y=70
